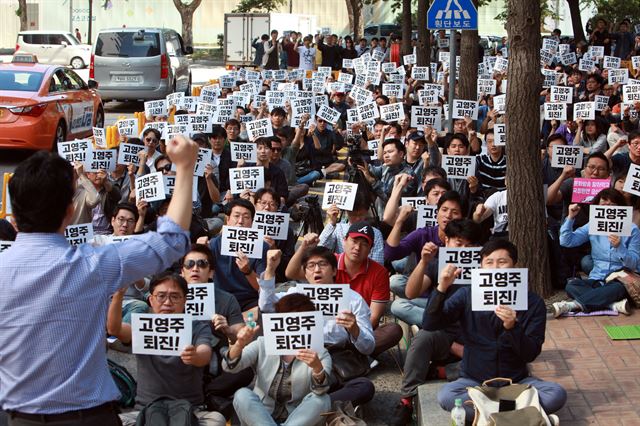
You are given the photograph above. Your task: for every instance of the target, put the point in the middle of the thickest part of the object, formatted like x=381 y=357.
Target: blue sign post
x=452 y=15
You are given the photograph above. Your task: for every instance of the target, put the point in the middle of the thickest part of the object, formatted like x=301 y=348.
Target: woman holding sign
x=610 y=252
x=289 y=389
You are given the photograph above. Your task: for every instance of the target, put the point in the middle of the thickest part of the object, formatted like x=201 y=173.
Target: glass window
x=57 y=39
x=75 y=80
x=371 y=31
x=35 y=38
x=128 y=44
x=21 y=81
x=57 y=82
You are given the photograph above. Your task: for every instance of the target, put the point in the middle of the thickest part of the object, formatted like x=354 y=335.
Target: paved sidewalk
x=601 y=376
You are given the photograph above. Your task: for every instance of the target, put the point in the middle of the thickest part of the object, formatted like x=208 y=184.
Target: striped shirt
x=54 y=307
x=491 y=174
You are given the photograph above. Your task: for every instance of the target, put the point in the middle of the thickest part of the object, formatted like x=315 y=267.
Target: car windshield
x=128 y=44
x=22 y=81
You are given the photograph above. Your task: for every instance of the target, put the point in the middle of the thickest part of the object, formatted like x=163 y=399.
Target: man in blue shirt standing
x=53 y=365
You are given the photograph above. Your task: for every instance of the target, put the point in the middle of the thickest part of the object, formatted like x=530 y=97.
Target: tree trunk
x=22 y=13
x=526 y=207
x=423 y=47
x=576 y=20
x=186 y=15
x=469 y=46
x=406 y=27
x=354 y=10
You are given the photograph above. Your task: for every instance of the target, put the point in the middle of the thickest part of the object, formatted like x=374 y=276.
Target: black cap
x=361 y=229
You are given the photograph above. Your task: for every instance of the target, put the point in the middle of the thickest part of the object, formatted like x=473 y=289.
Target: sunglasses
x=276 y=149
x=200 y=263
x=166 y=168
x=151 y=140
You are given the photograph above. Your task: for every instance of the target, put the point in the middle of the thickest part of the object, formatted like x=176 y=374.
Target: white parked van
x=54 y=47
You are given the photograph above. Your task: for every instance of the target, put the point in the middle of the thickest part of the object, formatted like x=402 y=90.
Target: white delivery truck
x=241 y=29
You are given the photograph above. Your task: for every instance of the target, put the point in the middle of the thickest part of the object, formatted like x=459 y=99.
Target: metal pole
x=71 y=17
x=452 y=75
x=90 y=21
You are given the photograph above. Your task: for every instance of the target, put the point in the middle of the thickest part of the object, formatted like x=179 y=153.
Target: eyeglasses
x=151 y=140
x=591 y=167
x=122 y=220
x=310 y=266
x=165 y=168
x=271 y=204
x=634 y=144
x=276 y=149
x=200 y=263
x=162 y=297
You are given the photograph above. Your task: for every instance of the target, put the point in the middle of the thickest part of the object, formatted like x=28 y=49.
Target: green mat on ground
x=623 y=332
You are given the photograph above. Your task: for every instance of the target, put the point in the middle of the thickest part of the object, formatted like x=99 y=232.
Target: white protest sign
x=392 y=90
x=344 y=77
x=632 y=182
x=227 y=81
x=610 y=220
x=301 y=106
x=392 y=112
x=586 y=65
x=128 y=153
x=246 y=151
x=208 y=94
x=259 y=129
x=247 y=240
x=79 y=234
x=546 y=57
x=368 y=111
x=618 y=76
x=160 y=334
x=500 y=104
x=242 y=98
x=601 y=102
x=611 y=62
x=584 y=110
x=459 y=166
x=420 y=73
x=251 y=178
x=156 y=108
x=499 y=134
x=409 y=59
x=377 y=55
x=501 y=65
x=635 y=61
x=174 y=130
x=170 y=185
x=275 y=99
x=189 y=103
x=486 y=86
x=150 y=187
x=100 y=137
x=342 y=194
x=562 y=94
x=201 y=301
x=465 y=258
x=413 y=201
x=204 y=158
x=101 y=159
x=388 y=67
x=330 y=299
x=631 y=93
x=426 y=116
x=273 y=224
x=347 y=63
x=596 y=51
x=555 y=111
x=200 y=123
x=550 y=78
x=493 y=287
x=567 y=155
x=373 y=146
x=462 y=109
x=328 y=114
x=4 y=245
x=173 y=99
x=427 y=216
x=77 y=150
x=286 y=334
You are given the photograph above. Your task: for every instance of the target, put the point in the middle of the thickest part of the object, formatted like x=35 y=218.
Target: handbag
x=343 y=414
x=631 y=282
x=348 y=363
x=510 y=405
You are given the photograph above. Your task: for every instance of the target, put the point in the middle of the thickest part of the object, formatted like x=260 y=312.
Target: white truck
x=241 y=29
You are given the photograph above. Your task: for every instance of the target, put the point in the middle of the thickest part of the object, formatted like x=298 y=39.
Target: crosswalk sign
x=452 y=15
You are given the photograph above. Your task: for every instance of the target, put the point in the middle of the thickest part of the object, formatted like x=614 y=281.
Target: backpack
x=125 y=382
x=511 y=405
x=167 y=411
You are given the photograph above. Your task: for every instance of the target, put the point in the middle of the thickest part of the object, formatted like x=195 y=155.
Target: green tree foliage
x=616 y=10
x=258 y=5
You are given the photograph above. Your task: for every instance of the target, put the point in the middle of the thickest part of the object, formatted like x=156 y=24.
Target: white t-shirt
x=307 y=57
x=497 y=202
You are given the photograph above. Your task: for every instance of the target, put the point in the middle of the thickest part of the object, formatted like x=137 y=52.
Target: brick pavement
x=601 y=376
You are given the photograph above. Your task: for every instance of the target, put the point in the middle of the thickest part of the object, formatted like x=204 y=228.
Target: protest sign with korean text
x=413 y=201
x=330 y=299
x=247 y=240
x=567 y=155
x=160 y=334
x=465 y=258
x=251 y=178
x=620 y=76
x=342 y=194
x=500 y=134
x=486 y=86
x=259 y=129
x=155 y=108
x=328 y=114
x=632 y=182
x=128 y=127
x=79 y=234
x=631 y=93
x=201 y=301
x=493 y=287
x=584 y=110
x=420 y=73
x=170 y=185
x=77 y=150
x=601 y=102
x=459 y=166
x=463 y=108
x=555 y=111
x=204 y=158
x=286 y=334
x=101 y=159
x=150 y=187
x=584 y=190
x=610 y=220
x=426 y=116
x=392 y=112
x=426 y=216
x=100 y=137
x=128 y=153
x=246 y=151
x=274 y=224
x=561 y=94
x=4 y=245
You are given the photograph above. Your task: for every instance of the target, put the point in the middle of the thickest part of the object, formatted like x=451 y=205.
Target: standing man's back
x=54 y=300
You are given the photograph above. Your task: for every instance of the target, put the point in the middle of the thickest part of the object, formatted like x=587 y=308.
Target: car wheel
x=77 y=63
x=100 y=118
x=60 y=136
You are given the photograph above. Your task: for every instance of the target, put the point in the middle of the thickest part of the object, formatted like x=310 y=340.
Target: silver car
x=140 y=64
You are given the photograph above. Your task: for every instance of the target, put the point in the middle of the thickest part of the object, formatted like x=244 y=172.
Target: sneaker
x=414 y=330
x=622 y=306
x=402 y=415
x=560 y=308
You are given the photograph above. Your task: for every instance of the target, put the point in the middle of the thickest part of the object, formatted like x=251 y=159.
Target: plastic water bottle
x=250 y=321
x=458 y=414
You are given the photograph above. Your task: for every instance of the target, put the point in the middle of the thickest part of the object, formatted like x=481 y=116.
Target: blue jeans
x=552 y=396
x=310 y=177
x=133 y=306
x=251 y=411
x=398 y=283
x=410 y=311
x=594 y=295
